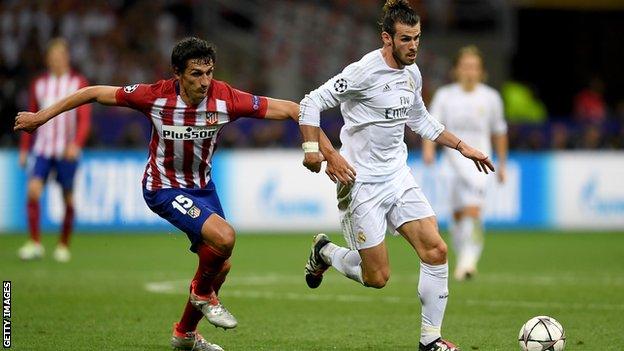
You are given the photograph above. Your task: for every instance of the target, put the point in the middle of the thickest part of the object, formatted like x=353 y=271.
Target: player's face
x=469 y=69
x=196 y=78
x=405 y=43
x=58 y=59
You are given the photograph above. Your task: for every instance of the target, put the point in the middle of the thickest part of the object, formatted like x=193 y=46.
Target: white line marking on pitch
x=179 y=287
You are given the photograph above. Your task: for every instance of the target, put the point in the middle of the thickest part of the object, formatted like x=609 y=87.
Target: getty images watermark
x=6 y=314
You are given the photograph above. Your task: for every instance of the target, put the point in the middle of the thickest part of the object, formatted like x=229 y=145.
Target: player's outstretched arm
x=482 y=161
x=29 y=121
x=338 y=169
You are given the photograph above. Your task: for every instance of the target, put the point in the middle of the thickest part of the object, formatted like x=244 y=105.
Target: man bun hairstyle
x=192 y=48
x=397 y=11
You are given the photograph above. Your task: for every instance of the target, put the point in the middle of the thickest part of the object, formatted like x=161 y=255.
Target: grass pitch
x=124 y=292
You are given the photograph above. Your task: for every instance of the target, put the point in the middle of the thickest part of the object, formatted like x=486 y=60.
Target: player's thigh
x=185 y=209
x=38 y=170
x=424 y=236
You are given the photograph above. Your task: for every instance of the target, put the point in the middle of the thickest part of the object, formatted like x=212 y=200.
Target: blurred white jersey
x=376 y=102
x=474 y=117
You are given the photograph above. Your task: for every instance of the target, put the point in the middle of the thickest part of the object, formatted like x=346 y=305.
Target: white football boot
x=31 y=251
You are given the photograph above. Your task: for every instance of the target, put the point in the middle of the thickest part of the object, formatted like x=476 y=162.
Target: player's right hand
x=28 y=121
x=312 y=161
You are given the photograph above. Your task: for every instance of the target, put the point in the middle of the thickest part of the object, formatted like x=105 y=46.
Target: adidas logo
x=386 y=87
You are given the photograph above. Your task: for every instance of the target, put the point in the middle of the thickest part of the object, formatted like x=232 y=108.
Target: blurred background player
x=378 y=96
x=474 y=112
x=54 y=148
x=187 y=113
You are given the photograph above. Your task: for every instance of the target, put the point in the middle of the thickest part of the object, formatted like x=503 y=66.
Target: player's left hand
x=71 y=152
x=482 y=161
x=339 y=170
x=28 y=121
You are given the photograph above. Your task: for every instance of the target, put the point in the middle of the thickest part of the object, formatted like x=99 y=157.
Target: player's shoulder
x=364 y=68
x=161 y=89
x=447 y=89
x=489 y=91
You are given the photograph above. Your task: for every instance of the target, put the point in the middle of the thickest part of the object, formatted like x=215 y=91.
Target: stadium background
x=555 y=62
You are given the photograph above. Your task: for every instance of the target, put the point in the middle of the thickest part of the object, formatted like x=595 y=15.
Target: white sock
x=433 y=293
x=473 y=244
x=344 y=260
x=463 y=231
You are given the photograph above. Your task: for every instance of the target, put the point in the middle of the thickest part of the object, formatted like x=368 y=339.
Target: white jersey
x=473 y=116
x=376 y=102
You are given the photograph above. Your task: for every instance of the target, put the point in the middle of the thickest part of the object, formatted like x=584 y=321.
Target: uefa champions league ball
x=542 y=333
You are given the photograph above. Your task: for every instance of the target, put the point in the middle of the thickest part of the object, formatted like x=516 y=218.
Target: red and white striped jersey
x=51 y=139
x=184 y=137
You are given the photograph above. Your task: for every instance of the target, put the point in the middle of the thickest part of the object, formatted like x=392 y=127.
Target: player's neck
x=61 y=71
x=388 y=56
x=468 y=86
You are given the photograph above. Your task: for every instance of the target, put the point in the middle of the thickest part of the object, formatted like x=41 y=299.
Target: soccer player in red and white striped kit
x=187 y=113
x=55 y=147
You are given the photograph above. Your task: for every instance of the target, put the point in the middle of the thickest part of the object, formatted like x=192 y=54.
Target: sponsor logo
x=361 y=237
x=602 y=203
x=6 y=314
x=386 y=88
x=194 y=212
x=130 y=88
x=256 y=102
x=188 y=132
x=340 y=85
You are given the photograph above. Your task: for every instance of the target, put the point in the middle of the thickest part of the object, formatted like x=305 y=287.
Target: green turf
x=99 y=301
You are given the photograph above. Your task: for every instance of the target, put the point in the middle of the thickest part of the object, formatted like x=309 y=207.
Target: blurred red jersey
x=52 y=138
x=184 y=137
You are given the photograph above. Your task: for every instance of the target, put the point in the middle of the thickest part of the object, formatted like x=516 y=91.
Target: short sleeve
x=136 y=96
x=243 y=104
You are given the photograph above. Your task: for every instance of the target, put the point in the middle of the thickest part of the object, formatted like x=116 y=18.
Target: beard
x=405 y=61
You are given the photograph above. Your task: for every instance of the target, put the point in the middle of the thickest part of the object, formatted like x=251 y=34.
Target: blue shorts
x=187 y=209
x=65 y=170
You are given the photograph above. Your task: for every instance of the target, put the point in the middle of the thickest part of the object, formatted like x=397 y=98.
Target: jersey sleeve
x=419 y=119
x=498 y=125
x=83 y=113
x=243 y=104
x=347 y=85
x=136 y=96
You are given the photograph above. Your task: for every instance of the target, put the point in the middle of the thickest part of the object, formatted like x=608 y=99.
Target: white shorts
x=467 y=191
x=369 y=210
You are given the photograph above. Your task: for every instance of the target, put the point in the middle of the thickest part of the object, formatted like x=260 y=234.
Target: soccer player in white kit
x=378 y=96
x=474 y=112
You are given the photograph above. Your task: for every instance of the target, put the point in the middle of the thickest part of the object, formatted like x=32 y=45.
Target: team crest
x=340 y=85
x=194 y=212
x=361 y=237
x=212 y=117
x=130 y=88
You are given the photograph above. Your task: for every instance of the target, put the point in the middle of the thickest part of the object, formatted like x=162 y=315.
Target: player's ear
x=386 y=38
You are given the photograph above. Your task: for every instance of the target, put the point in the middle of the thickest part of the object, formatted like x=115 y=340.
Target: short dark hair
x=397 y=11
x=191 y=48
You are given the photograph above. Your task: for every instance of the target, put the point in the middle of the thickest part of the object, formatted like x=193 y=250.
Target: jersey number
x=182 y=203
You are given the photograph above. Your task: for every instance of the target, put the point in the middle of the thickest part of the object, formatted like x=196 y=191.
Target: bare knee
x=436 y=254
x=222 y=238
x=377 y=279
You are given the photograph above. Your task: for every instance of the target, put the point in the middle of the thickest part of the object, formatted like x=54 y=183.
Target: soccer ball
x=542 y=333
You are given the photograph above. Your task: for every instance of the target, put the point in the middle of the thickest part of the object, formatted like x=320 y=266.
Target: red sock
x=211 y=262
x=190 y=319
x=68 y=224
x=32 y=210
x=207 y=281
x=220 y=278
